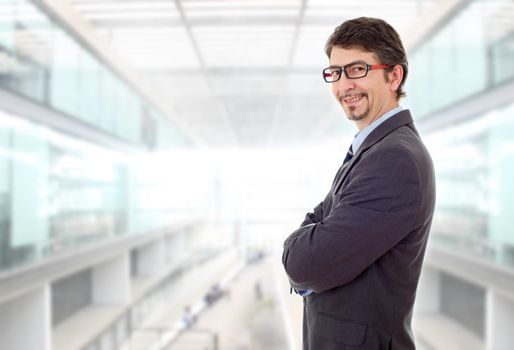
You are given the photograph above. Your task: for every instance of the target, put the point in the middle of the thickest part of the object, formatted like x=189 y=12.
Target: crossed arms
x=374 y=211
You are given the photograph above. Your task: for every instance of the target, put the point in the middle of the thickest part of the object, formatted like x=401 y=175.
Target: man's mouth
x=352 y=99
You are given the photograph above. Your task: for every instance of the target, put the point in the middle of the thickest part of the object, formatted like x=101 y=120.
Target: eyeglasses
x=354 y=70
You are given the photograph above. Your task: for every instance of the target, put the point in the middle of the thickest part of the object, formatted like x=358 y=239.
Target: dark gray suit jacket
x=362 y=248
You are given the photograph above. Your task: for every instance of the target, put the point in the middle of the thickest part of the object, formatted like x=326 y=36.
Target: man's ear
x=396 y=77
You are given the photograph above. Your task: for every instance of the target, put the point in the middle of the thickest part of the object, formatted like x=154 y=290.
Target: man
x=356 y=259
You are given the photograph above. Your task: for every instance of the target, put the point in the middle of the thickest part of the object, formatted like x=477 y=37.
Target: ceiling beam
x=224 y=71
x=203 y=65
x=294 y=44
x=226 y=21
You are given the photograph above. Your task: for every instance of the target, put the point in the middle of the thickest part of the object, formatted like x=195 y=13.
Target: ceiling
x=240 y=73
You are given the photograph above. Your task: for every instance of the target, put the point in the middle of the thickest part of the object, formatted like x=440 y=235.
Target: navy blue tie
x=349 y=155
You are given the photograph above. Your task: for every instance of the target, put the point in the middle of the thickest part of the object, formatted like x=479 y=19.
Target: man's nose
x=344 y=85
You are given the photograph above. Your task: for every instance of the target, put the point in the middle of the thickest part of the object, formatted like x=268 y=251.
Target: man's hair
x=372 y=35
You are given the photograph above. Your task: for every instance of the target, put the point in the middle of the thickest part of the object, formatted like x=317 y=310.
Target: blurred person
x=257 y=290
x=356 y=259
x=214 y=294
x=188 y=318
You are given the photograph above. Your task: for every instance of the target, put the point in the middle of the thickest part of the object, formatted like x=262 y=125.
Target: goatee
x=352 y=115
x=351 y=111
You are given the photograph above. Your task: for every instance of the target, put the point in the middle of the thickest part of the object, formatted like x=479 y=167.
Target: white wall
x=25 y=321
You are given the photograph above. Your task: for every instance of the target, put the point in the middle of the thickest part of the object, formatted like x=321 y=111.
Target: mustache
x=353 y=94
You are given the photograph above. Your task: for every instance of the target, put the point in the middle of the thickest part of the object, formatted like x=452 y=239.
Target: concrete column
x=499 y=321
x=111 y=281
x=25 y=322
x=151 y=258
x=428 y=298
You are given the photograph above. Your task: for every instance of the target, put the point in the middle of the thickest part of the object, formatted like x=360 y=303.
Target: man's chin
x=354 y=116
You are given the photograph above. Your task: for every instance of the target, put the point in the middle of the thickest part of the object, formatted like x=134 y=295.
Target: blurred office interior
x=155 y=154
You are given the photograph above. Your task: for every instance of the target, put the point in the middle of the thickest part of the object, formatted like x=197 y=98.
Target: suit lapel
x=402 y=118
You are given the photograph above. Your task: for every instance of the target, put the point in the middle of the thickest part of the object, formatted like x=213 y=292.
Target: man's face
x=363 y=99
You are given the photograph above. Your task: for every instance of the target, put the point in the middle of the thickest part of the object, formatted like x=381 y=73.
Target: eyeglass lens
x=352 y=71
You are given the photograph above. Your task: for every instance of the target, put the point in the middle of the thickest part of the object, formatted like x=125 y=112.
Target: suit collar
x=400 y=119
x=363 y=134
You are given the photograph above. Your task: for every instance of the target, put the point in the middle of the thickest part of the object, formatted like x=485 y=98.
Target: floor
x=251 y=315
x=247 y=317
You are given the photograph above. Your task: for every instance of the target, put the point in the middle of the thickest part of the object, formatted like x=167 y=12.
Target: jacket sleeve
x=374 y=211
x=314 y=217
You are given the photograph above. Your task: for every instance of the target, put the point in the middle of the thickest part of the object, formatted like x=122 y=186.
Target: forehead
x=340 y=56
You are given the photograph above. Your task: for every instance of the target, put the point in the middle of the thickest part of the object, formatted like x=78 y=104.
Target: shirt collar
x=361 y=135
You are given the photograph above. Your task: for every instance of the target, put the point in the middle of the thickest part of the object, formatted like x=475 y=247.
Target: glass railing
x=58 y=193
x=474 y=164
x=471 y=53
x=42 y=61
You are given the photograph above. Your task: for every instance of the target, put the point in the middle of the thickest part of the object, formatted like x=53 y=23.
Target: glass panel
x=502 y=53
x=64 y=81
x=86 y=184
x=108 y=100
x=442 y=69
x=7 y=30
x=134 y=125
x=474 y=36
x=7 y=62
x=470 y=56
x=29 y=217
x=501 y=184
x=56 y=192
x=128 y=116
x=32 y=47
x=475 y=167
x=5 y=179
x=471 y=53
x=89 y=88
x=7 y=12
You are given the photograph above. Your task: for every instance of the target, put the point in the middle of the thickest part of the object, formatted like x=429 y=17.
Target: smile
x=352 y=99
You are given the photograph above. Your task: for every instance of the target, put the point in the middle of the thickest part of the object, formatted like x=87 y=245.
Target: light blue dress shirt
x=357 y=142
x=361 y=135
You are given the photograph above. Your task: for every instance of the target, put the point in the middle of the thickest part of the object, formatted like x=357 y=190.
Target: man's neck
x=364 y=123
x=363 y=134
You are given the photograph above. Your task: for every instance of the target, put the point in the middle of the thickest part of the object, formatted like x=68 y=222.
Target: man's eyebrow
x=344 y=65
